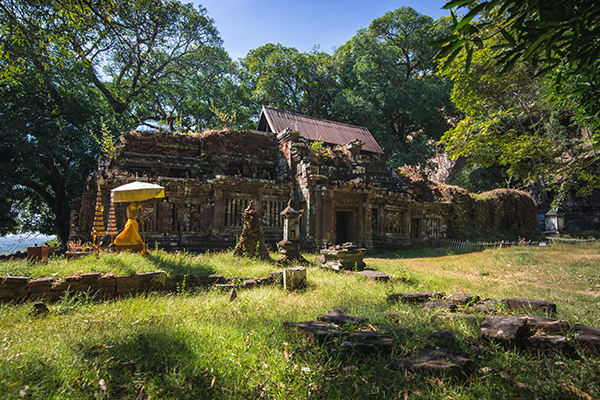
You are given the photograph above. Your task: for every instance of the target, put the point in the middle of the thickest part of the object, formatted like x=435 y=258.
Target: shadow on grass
x=183 y=265
x=155 y=361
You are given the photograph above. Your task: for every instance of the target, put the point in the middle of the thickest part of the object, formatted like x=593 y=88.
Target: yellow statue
x=130 y=238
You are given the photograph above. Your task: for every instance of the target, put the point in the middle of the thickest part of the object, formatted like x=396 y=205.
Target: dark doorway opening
x=343 y=227
x=414 y=228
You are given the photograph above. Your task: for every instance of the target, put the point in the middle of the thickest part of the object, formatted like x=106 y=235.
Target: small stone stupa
x=252 y=240
x=290 y=246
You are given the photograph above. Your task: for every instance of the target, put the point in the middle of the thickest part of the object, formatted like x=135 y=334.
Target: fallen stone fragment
x=551 y=345
x=508 y=331
x=374 y=275
x=39 y=308
x=486 y=306
x=440 y=305
x=317 y=332
x=409 y=297
x=545 y=325
x=588 y=338
x=436 y=361
x=369 y=342
x=250 y=283
x=461 y=299
x=531 y=305
x=340 y=318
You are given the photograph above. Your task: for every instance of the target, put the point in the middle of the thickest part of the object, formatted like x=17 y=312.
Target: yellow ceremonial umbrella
x=137 y=191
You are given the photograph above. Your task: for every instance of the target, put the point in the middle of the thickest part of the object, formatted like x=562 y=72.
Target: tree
x=389 y=85
x=127 y=48
x=66 y=66
x=285 y=78
x=560 y=39
x=516 y=113
x=46 y=151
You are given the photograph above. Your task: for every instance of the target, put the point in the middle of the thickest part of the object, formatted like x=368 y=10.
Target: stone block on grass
x=13 y=288
x=588 y=338
x=340 y=318
x=40 y=285
x=152 y=280
x=437 y=361
x=531 y=305
x=126 y=284
x=550 y=345
x=545 y=325
x=408 y=297
x=507 y=331
x=317 y=332
x=461 y=299
x=374 y=275
x=294 y=278
x=440 y=305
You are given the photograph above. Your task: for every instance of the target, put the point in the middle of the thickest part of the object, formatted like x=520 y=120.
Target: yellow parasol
x=137 y=191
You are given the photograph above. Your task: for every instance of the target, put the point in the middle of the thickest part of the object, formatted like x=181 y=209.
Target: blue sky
x=303 y=24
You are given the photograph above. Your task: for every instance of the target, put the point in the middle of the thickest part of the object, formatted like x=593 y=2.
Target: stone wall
x=106 y=286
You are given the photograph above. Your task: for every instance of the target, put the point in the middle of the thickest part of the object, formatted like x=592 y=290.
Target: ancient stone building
x=325 y=168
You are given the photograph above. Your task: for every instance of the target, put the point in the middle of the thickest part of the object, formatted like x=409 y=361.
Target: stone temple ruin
x=325 y=168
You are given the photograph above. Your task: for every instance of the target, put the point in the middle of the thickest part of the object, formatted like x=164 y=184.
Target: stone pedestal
x=344 y=257
x=290 y=252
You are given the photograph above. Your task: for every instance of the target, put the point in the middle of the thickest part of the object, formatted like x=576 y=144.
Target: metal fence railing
x=466 y=246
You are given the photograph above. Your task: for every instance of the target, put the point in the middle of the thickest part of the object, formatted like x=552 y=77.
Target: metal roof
x=317 y=129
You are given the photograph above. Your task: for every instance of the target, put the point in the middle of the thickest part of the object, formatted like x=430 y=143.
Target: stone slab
x=486 y=306
x=531 y=305
x=340 y=318
x=374 y=275
x=551 y=345
x=317 y=332
x=588 y=338
x=408 y=297
x=152 y=280
x=549 y=326
x=440 y=305
x=126 y=284
x=508 y=331
x=13 y=282
x=40 y=285
x=437 y=361
x=461 y=299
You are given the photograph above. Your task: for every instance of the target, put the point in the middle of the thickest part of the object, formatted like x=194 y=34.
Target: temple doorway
x=343 y=227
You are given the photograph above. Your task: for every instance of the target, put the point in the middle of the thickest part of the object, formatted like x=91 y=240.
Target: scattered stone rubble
x=544 y=335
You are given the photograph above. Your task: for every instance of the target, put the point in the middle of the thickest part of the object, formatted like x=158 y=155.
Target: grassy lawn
x=194 y=345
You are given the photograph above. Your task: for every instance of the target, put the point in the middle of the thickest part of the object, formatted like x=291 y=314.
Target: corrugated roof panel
x=319 y=129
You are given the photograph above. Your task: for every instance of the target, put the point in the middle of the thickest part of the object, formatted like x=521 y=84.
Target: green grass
x=201 y=345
